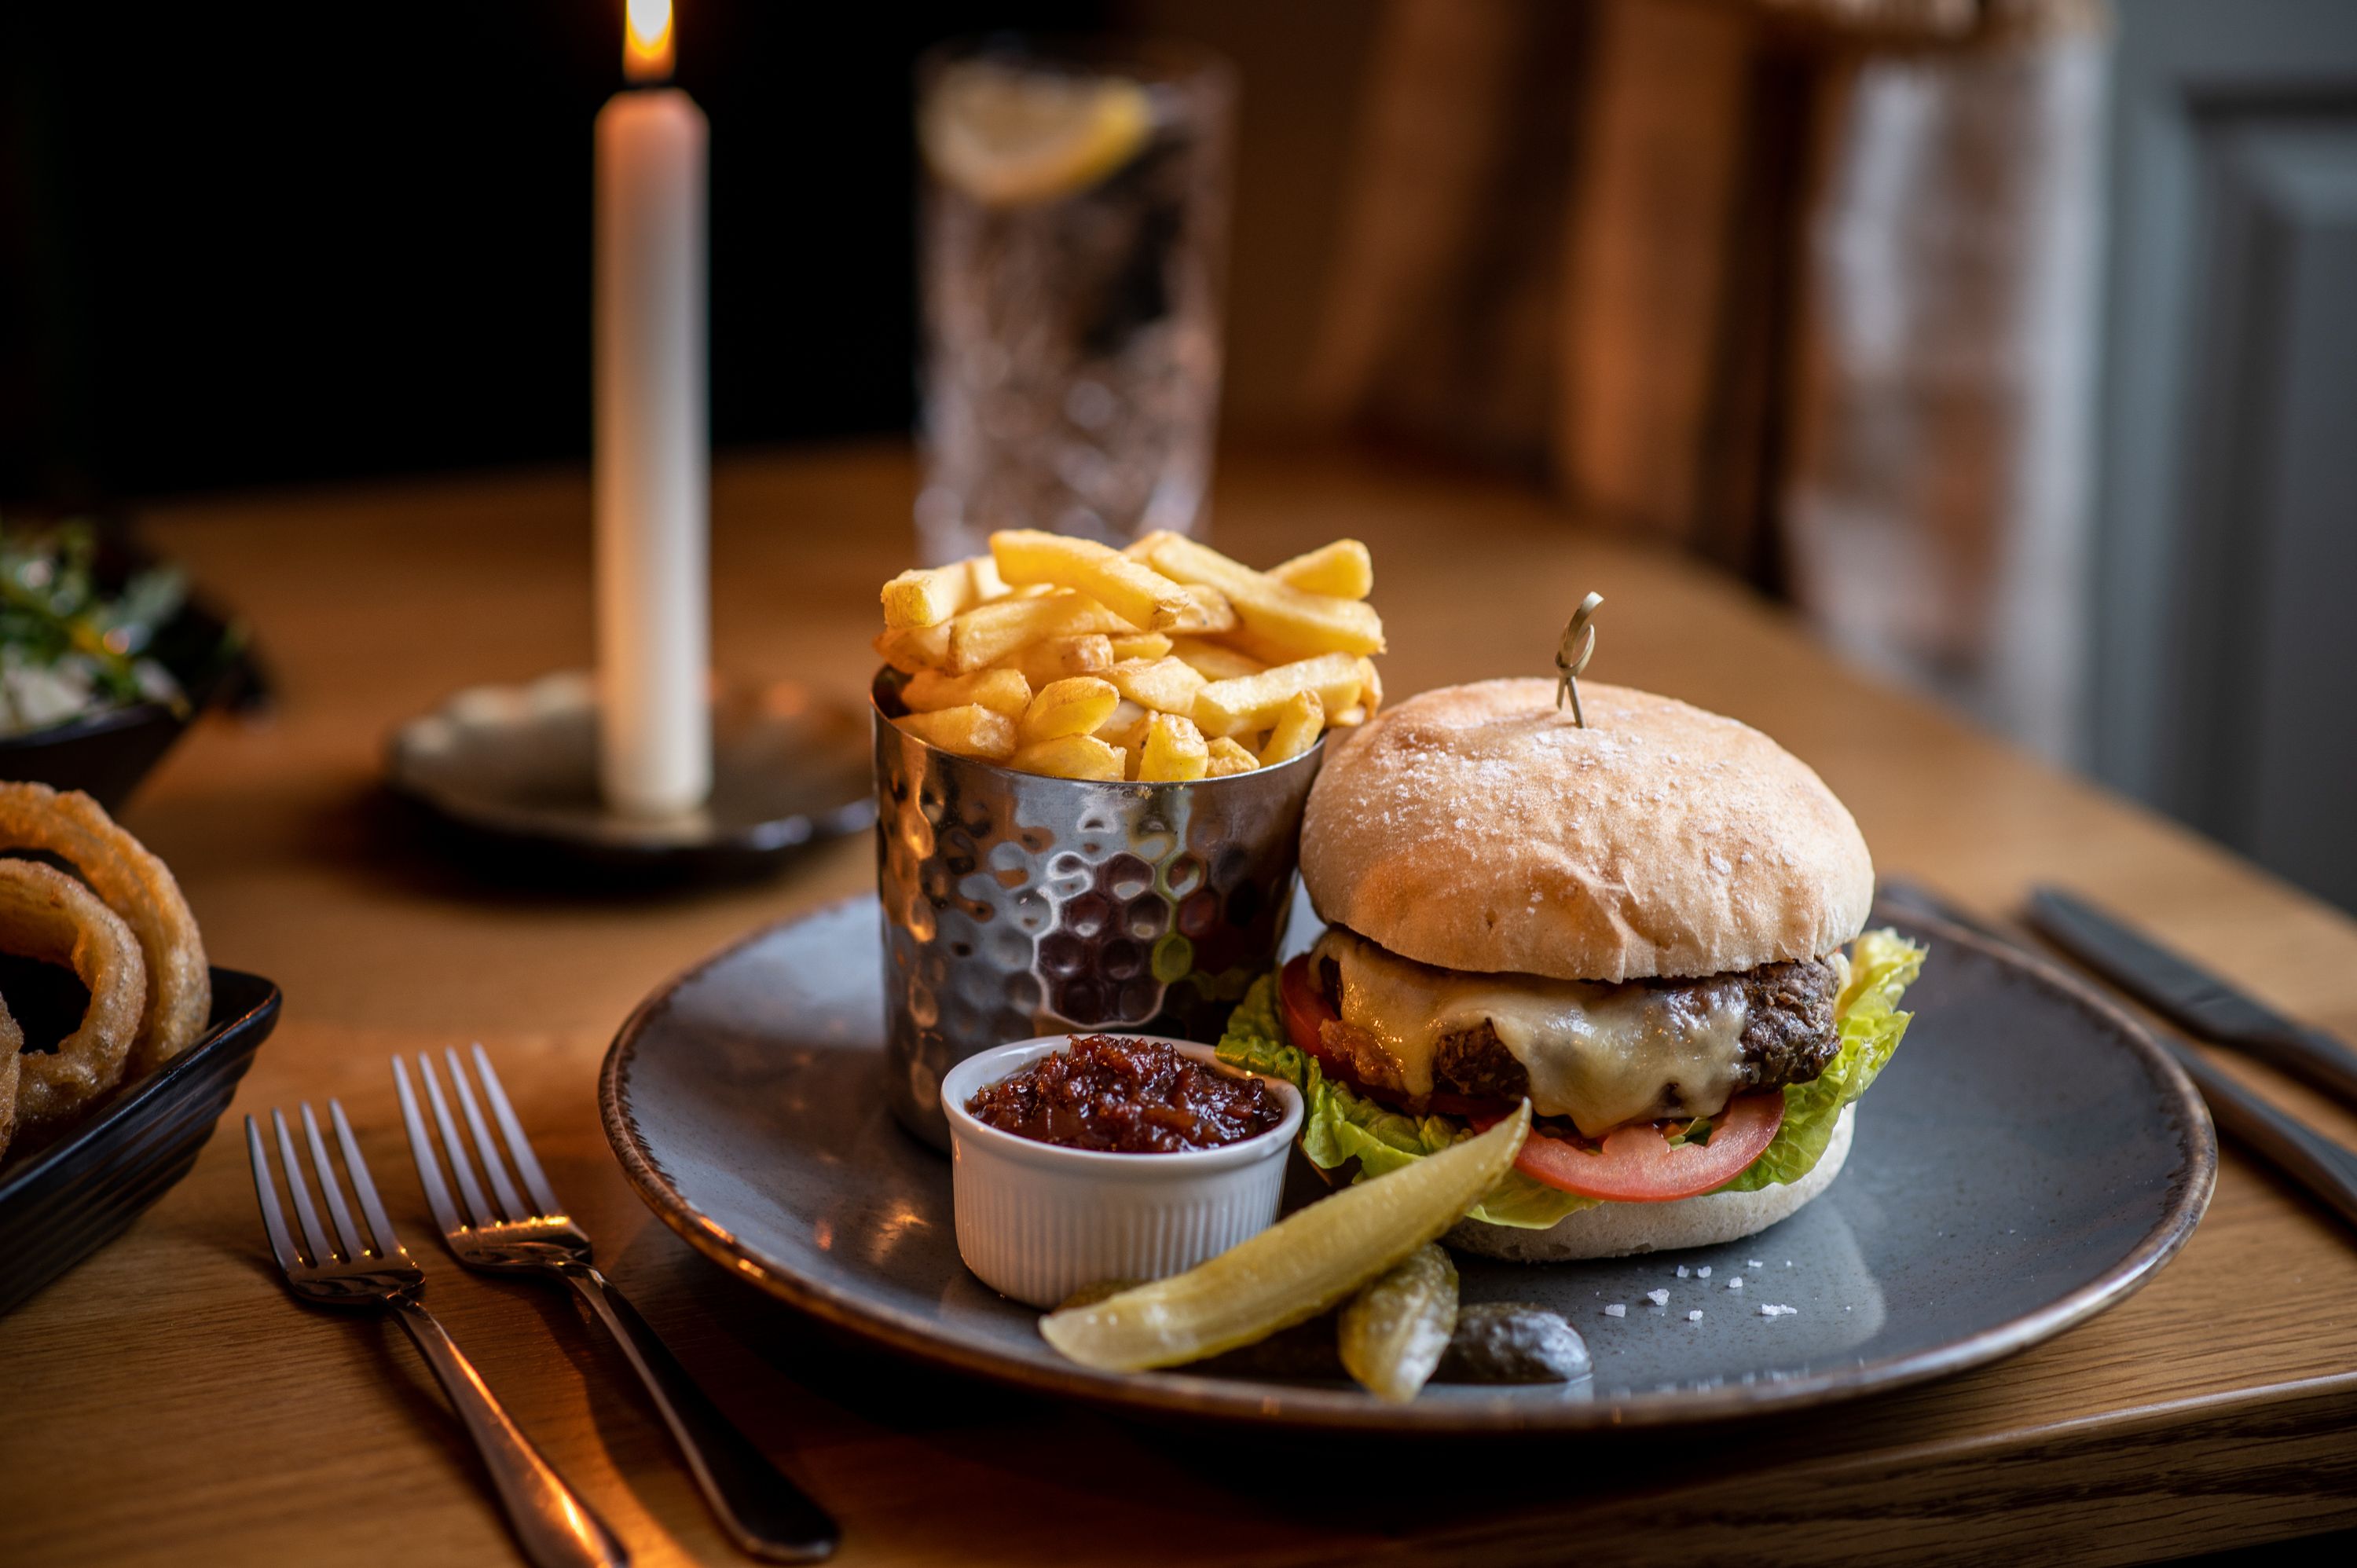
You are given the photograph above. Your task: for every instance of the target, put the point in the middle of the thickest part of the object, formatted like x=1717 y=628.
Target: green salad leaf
x=70 y=647
x=1339 y=1125
x=1882 y=964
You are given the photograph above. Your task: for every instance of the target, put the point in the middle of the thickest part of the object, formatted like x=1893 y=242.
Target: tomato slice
x=1635 y=1165
x=1638 y=1164
x=1304 y=1007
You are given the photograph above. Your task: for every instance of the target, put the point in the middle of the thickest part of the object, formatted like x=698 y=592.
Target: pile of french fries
x=1163 y=661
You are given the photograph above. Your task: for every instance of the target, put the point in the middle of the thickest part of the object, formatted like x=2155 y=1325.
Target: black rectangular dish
x=61 y=1203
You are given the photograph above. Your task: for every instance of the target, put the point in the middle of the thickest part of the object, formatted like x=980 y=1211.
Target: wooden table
x=168 y=1403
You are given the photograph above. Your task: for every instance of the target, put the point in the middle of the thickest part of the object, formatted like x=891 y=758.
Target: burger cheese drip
x=1600 y=1055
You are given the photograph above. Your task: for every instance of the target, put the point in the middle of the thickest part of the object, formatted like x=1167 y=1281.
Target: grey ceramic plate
x=2028 y=1158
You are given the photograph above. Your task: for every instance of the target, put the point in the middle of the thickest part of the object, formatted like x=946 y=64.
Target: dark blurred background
x=334 y=240
x=2012 y=342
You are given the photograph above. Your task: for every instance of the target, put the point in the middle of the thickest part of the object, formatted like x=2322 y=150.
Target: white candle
x=653 y=444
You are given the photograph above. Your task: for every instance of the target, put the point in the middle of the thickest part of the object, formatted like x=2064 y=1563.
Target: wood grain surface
x=168 y=1403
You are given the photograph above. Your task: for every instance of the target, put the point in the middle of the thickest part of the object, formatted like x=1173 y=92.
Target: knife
x=2190 y=997
x=2315 y=1162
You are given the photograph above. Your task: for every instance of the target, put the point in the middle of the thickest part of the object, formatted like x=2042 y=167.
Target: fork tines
x=479 y=1209
x=381 y=1244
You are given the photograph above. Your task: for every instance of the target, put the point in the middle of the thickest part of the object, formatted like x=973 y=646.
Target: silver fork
x=555 y=1527
x=766 y=1514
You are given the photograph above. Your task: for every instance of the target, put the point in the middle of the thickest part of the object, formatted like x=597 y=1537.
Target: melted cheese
x=1601 y=1054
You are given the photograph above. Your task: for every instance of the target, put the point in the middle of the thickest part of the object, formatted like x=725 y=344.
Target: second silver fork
x=372 y=1270
x=766 y=1514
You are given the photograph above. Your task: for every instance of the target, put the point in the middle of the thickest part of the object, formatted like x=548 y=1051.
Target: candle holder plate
x=510 y=773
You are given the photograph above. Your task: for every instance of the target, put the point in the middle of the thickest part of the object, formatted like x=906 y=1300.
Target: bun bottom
x=1618 y=1230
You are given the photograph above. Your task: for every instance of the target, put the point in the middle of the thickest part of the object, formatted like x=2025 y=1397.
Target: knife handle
x=2316 y=1162
x=2309 y=1054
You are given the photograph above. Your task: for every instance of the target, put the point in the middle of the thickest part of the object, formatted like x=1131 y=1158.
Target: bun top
x=1477 y=828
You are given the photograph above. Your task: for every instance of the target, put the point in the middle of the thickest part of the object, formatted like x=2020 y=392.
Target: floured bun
x=1477 y=828
x=1618 y=1230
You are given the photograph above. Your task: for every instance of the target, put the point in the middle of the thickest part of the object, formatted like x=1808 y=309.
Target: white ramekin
x=1037 y=1221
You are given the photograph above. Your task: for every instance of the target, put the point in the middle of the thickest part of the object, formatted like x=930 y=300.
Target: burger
x=1651 y=926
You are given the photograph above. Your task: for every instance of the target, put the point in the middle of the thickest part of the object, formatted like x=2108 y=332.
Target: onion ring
x=11 y=1041
x=46 y=915
x=138 y=888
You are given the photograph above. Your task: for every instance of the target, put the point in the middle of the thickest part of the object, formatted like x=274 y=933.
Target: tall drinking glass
x=1074 y=246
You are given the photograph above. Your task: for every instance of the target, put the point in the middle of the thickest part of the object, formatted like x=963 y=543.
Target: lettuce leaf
x=1339 y=1125
x=1882 y=964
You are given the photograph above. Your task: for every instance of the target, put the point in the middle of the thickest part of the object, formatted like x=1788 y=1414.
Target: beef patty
x=1788 y=1033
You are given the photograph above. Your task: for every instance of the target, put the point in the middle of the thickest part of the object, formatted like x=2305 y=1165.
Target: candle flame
x=646 y=40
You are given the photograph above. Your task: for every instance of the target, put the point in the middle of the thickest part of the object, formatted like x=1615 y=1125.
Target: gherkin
x=1393 y=1333
x=1294 y=1270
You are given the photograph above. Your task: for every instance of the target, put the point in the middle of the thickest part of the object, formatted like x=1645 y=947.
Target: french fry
x=1343 y=569
x=926 y=595
x=914 y=649
x=1074 y=705
x=1001 y=691
x=1208 y=610
x=1275 y=609
x=1125 y=727
x=970 y=731
x=1272 y=648
x=1174 y=751
x=1162 y=662
x=929 y=595
x=1165 y=685
x=1257 y=702
x=1212 y=613
x=1054 y=657
x=1071 y=757
x=1299 y=725
x=1131 y=589
x=990 y=633
x=1143 y=645
x=1215 y=660
x=1229 y=756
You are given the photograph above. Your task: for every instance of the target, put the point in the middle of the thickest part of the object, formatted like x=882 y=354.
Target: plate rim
x=1236 y=1398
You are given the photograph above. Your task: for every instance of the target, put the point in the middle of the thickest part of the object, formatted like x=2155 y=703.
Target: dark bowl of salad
x=106 y=658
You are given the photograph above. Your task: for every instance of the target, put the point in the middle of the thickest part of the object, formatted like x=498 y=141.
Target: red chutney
x=1125 y=1096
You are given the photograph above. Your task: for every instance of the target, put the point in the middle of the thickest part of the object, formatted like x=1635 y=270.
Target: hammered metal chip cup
x=1017 y=906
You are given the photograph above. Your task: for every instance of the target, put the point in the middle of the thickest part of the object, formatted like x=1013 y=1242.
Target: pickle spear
x=1102 y=1290
x=1294 y=1270
x=1393 y=1332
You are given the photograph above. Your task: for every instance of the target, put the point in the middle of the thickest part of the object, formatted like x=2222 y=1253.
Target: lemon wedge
x=1294 y=1270
x=1010 y=138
